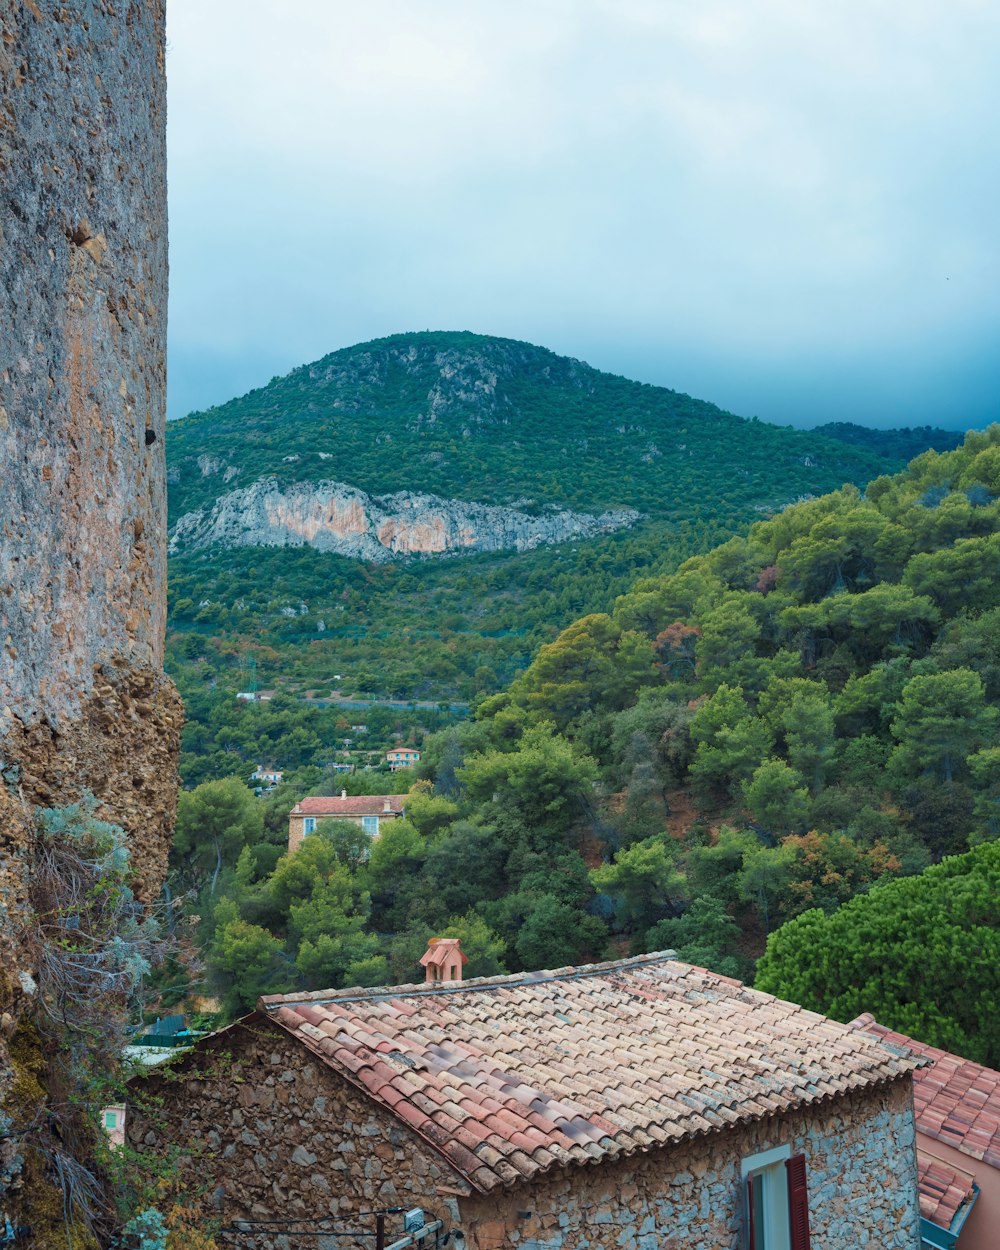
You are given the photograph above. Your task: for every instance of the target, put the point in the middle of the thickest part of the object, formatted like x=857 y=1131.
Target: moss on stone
x=39 y=1203
x=42 y=1209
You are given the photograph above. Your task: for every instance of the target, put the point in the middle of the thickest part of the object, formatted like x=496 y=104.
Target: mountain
x=298 y=510
x=495 y=422
x=903 y=443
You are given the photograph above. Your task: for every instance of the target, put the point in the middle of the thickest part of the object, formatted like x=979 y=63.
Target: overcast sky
x=789 y=207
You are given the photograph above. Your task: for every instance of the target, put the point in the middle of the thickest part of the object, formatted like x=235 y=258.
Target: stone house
x=366 y=810
x=641 y=1104
x=957 y=1116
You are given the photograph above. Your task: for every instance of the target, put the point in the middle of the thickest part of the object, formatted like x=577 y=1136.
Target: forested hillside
x=467 y=417
x=779 y=725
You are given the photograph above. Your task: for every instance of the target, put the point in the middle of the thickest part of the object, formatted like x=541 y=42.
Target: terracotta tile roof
x=944 y=1189
x=956 y=1101
x=440 y=949
x=354 y=805
x=509 y=1076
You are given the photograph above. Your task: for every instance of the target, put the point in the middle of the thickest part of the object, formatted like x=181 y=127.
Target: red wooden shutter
x=798 y=1202
x=751 y=1234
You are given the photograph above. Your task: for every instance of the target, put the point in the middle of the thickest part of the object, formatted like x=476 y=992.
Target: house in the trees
x=272 y=776
x=642 y=1104
x=402 y=757
x=269 y=777
x=957 y=1112
x=370 y=811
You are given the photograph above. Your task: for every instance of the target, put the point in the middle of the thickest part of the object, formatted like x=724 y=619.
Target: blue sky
x=784 y=206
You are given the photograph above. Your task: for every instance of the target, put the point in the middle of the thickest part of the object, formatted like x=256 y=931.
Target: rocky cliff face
x=83 y=270
x=332 y=516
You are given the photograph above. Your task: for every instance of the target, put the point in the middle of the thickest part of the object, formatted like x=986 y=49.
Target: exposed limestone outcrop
x=332 y=516
x=84 y=705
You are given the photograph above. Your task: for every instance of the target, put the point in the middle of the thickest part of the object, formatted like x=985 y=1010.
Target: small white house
x=268 y=776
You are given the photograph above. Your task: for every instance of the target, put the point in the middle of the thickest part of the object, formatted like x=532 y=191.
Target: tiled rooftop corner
x=955 y=1100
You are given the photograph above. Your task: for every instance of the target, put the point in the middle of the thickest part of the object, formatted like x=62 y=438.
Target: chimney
x=443 y=960
x=387 y=806
x=343 y=794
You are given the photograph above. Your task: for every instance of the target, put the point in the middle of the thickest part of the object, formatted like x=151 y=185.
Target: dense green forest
x=924 y=951
x=466 y=416
x=446 y=631
x=795 y=718
x=905 y=443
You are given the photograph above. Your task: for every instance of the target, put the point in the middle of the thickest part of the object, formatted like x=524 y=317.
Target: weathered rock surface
x=332 y=516
x=84 y=704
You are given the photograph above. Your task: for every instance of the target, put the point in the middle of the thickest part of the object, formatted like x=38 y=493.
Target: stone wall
x=274 y=1132
x=270 y=1132
x=861 y=1168
x=84 y=704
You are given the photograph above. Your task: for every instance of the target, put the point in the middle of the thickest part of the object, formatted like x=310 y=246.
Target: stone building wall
x=861 y=1168
x=271 y=1132
x=84 y=704
x=280 y=1134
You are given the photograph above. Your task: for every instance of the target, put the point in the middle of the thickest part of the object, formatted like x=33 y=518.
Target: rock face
x=84 y=704
x=332 y=516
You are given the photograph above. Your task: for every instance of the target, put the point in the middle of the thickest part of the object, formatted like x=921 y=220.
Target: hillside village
x=666 y=916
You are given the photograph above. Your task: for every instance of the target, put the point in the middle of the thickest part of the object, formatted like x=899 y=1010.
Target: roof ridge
x=270 y=1002
x=907 y=1045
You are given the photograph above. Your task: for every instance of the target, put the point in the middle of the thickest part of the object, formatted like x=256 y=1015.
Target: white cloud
x=727 y=179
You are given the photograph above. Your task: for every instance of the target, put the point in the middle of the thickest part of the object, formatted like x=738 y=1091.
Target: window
x=110 y=1119
x=776 y=1200
x=369 y=825
x=309 y=824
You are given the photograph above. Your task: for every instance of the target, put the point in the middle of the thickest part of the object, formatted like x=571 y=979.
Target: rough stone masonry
x=84 y=704
x=268 y=1132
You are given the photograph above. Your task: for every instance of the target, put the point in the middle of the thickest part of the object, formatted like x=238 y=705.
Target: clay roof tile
x=956 y=1100
x=506 y=1076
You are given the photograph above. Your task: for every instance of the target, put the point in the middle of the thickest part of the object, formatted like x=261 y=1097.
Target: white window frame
x=369 y=825
x=770 y=1166
x=308 y=824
